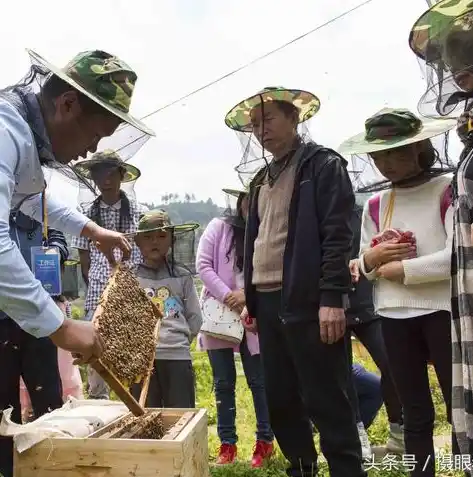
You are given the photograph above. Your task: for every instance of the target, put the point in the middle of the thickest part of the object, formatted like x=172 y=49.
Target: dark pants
x=172 y=385
x=368 y=393
x=36 y=361
x=371 y=336
x=410 y=344
x=224 y=376
x=307 y=380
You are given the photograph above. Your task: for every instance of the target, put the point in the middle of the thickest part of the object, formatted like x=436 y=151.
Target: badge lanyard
x=46 y=260
x=44 y=211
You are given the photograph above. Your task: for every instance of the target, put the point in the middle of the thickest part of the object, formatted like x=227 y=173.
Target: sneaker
x=365 y=442
x=395 y=443
x=263 y=451
x=227 y=454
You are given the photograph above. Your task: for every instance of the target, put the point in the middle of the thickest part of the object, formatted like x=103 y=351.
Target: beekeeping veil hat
x=396 y=128
x=98 y=76
x=101 y=162
x=232 y=214
x=181 y=257
x=239 y=119
x=442 y=39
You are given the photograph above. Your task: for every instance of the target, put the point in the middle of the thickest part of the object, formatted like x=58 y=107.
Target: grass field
x=246 y=426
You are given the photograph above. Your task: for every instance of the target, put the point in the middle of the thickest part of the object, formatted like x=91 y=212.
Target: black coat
x=319 y=239
x=361 y=308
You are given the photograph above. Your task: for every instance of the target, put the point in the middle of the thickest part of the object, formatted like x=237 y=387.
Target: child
x=114 y=209
x=170 y=285
x=411 y=274
x=220 y=267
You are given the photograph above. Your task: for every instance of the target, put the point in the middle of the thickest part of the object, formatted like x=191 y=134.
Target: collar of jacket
x=26 y=102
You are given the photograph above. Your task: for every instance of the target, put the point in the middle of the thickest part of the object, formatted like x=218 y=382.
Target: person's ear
x=67 y=105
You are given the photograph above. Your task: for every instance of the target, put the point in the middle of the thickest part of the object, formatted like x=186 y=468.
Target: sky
x=356 y=66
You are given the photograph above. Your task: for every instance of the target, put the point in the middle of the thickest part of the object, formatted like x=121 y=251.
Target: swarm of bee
x=149 y=426
x=127 y=321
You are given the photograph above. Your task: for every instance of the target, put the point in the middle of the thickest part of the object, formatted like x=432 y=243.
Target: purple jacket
x=219 y=278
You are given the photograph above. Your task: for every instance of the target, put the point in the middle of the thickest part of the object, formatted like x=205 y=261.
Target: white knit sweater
x=427 y=277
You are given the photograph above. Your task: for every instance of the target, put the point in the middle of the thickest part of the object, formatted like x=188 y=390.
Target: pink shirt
x=219 y=277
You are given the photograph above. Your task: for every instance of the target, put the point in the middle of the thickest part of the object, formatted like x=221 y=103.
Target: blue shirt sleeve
x=22 y=297
x=60 y=216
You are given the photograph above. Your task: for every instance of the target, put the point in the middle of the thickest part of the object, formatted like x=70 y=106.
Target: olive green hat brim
x=180 y=228
x=132 y=173
x=430 y=128
x=234 y=192
x=117 y=112
x=238 y=118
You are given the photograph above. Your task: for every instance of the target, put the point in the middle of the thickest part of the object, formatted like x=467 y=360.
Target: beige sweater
x=427 y=277
x=273 y=212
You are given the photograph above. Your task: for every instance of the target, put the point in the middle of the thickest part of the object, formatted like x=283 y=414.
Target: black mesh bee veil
x=29 y=97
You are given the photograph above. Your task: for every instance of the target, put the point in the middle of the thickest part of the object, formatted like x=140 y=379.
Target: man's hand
x=248 y=323
x=392 y=271
x=81 y=339
x=332 y=324
x=355 y=270
x=107 y=240
x=389 y=251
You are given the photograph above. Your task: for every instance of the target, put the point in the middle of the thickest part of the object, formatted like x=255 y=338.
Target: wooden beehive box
x=182 y=452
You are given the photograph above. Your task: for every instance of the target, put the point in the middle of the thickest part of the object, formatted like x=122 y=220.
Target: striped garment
x=100 y=268
x=462 y=307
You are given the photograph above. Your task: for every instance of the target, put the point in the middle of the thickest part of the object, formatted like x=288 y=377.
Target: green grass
x=246 y=424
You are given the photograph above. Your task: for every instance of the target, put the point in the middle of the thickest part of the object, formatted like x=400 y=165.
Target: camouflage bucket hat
x=428 y=35
x=107 y=158
x=391 y=128
x=158 y=219
x=238 y=118
x=102 y=77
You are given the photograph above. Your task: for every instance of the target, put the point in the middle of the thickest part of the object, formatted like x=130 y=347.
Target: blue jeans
x=222 y=362
x=368 y=391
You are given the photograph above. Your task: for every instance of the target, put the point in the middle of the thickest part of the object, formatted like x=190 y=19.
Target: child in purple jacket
x=220 y=267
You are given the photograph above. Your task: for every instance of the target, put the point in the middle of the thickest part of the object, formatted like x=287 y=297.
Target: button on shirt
x=100 y=269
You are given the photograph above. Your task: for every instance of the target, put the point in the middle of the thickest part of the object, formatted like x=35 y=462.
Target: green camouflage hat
x=428 y=35
x=391 y=128
x=110 y=158
x=102 y=77
x=158 y=219
x=238 y=118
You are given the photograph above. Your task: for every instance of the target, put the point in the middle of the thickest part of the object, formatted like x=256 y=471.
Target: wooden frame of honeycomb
x=128 y=322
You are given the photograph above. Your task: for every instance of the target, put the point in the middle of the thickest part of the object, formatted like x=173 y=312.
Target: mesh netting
x=26 y=97
x=255 y=156
x=233 y=212
x=373 y=181
x=442 y=39
x=444 y=98
x=181 y=258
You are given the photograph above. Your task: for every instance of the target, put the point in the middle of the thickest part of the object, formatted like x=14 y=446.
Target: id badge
x=46 y=267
